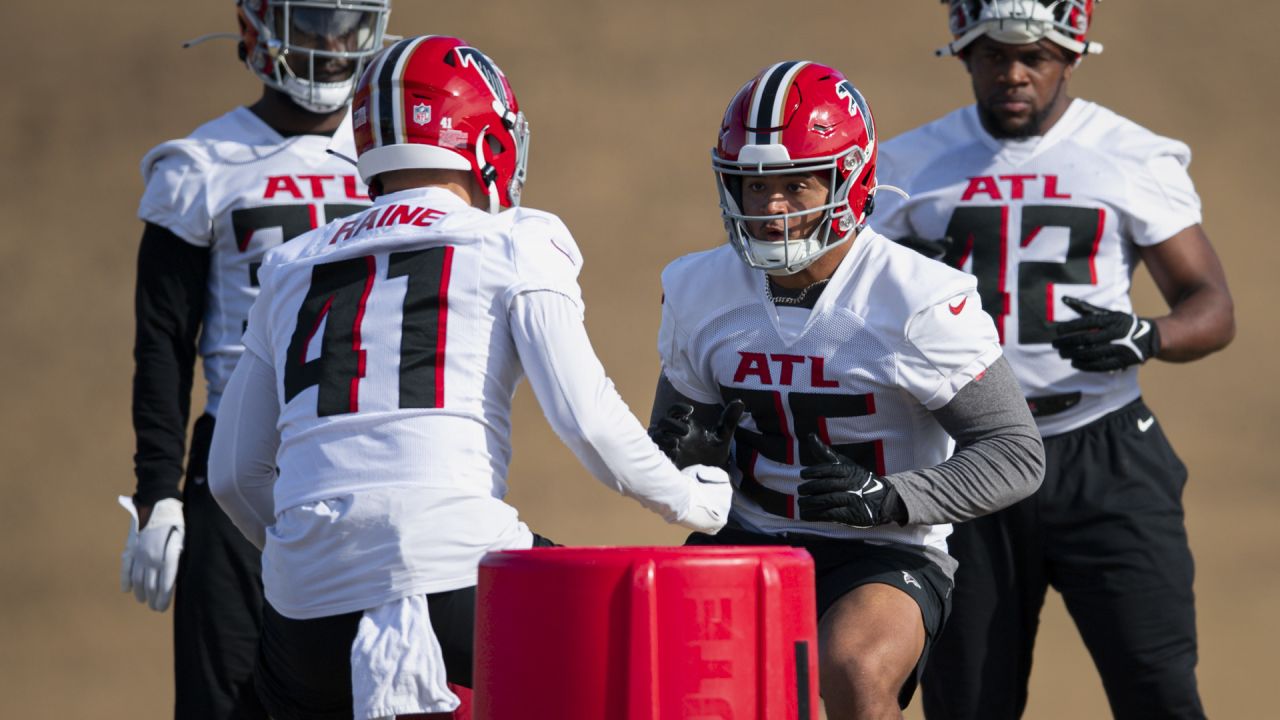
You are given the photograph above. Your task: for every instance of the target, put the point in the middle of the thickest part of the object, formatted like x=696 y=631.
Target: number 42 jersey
x=1038 y=219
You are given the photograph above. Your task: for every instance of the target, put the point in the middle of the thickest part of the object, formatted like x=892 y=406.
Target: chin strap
x=488 y=174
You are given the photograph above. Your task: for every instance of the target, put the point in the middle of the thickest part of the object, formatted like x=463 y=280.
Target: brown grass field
x=624 y=99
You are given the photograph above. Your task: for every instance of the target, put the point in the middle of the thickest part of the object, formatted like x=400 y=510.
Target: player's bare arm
x=1201 y=317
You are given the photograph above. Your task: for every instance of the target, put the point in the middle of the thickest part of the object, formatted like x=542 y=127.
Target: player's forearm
x=584 y=408
x=1000 y=456
x=169 y=306
x=1200 y=323
x=242 y=455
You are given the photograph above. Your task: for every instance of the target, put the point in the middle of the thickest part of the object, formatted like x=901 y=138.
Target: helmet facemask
x=790 y=255
x=312 y=33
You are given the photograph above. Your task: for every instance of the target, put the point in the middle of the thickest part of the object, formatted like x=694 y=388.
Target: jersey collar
x=1024 y=149
x=435 y=196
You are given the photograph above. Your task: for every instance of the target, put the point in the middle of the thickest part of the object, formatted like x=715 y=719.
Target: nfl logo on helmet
x=421 y=114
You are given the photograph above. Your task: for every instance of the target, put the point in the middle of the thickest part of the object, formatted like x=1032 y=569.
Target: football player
x=857 y=362
x=1051 y=202
x=381 y=359
x=214 y=202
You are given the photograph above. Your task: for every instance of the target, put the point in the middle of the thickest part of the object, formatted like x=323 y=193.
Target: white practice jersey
x=407 y=302
x=893 y=337
x=395 y=368
x=239 y=188
x=1038 y=219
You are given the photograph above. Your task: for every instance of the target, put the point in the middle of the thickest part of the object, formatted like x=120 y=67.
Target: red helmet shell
x=436 y=102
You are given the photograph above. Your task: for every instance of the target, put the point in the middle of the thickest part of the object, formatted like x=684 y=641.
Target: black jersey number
x=778 y=440
x=337 y=297
x=982 y=232
x=293 y=220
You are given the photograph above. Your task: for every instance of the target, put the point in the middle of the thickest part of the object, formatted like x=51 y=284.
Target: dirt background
x=624 y=101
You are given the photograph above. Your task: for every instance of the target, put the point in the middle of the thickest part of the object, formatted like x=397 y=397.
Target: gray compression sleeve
x=998 y=461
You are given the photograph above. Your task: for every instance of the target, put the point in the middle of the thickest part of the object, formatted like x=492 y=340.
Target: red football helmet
x=797 y=117
x=435 y=102
x=1020 y=22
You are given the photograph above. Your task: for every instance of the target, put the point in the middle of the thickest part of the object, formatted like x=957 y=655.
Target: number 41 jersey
x=394 y=358
x=1038 y=219
x=893 y=337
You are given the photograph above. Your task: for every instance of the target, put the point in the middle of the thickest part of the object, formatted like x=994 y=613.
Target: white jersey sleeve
x=677 y=366
x=947 y=345
x=674 y=346
x=257 y=330
x=242 y=457
x=585 y=410
x=546 y=257
x=176 y=197
x=1163 y=200
x=900 y=159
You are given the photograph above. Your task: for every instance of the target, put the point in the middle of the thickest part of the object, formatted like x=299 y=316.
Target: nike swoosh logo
x=955 y=309
x=1145 y=425
x=713 y=480
x=876 y=486
x=1143 y=327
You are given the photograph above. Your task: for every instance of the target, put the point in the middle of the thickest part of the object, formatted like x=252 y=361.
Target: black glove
x=932 y=249
x=1102 y=340
x=842 y=491
x=687 y=442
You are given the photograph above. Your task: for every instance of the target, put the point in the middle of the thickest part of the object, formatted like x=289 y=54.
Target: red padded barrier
x=646 y=634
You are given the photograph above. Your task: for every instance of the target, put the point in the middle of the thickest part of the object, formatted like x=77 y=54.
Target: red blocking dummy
x=646 y=634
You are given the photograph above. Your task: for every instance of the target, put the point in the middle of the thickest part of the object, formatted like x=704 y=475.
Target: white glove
x=710 y=495
x=149 y=565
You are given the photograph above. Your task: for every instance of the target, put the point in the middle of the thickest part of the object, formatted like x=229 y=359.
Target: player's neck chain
x=804 y=297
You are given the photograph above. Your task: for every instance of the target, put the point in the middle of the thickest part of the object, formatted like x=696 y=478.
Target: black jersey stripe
x=767 y=96
x=388 y=123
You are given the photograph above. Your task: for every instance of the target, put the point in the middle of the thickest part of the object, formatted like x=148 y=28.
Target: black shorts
x=217 y=609
x=1105 y=530
x=304 y=666
x=840 y=566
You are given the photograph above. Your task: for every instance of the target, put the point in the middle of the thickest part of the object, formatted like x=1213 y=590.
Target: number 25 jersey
x=1038 y=219
x=893 y=337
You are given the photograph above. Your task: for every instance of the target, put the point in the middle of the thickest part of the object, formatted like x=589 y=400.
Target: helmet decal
x=472 y=57
x=384 y=94
x=857 y=105
x=769 y=101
